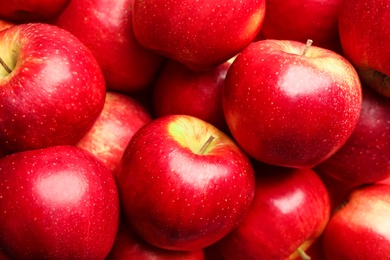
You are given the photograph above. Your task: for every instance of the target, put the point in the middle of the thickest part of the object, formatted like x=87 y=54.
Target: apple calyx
x=206 y=144
x=302 y=254
x=5 y=66
x=308 y=44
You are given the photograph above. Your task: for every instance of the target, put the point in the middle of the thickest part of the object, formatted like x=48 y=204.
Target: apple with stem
x=364 y=158
x=58 y=202
x=290 y=210
x=359 y=228
x=121 y=118
x=297 y=103
x=199 y=34
x=27 y=11
x=181 y=90
x=51 y=88
x=183 y=183
x=364 y=34
x=106 y=28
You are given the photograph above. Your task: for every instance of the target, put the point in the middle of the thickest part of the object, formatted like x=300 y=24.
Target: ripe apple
x=52 y=90
x=180 y=90
x=289 y=212
x=364 y=34
x=302 y=20
x=106 y=28
x=184 y=184
x=360 y=228
x=25 y=11
x=58 y=202
x=199 y=34
x=121 y=117
x=129 y=245
x=365 y=157
x=291 y=104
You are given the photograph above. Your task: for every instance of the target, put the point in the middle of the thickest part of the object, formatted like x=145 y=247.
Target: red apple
x=129 y=245
x=289 y=212
x=184 y=184
x=106 y=28
x=302 y=20
x=364 y=34
x=199 y=34
x=54 y=89
x=360 y=228
x=121 y=118
x=289 y=104
x=180 y=90
x=24 y=11
x=365 y=157
x=57 y=203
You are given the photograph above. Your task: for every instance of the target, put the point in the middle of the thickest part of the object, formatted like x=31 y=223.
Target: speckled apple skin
x=176 y=198
x=198 y=33
x=289 y=109
x=55 y=91
x=57 y=203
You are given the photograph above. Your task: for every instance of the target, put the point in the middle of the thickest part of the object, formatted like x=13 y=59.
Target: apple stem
x=5 y=66
x=308 y=44
x=303 y=254
x=206 y=144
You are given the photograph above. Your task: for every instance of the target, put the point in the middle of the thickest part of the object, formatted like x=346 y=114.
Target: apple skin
x=121 y=118
x=359 y=228
x=364 y=35
x=199 y=34
x=297 y=110
x=59 y=202
x=5 y=24
x=302 y=20
x=185 y=200
x=129 y=245
x=290 y=210
x=55 y=91
x=364 y=158
x=106 y=28
x=27 y=11
x=180 y=90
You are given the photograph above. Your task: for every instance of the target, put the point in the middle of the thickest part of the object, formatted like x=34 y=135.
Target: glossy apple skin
x=289 y=109
x=127 y=67
x=25 y=11
x=59 y=202
x=180 y=90
x=55 y=91
x=359 y=229
x=199 y=34
x=129 y=245
x=184 y=200
x=121 y=117
x=364 y=34
x=364 y=158
x=291 y=209
x=303 y=20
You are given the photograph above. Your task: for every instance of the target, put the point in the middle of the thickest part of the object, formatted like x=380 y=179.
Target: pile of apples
x=194 y=129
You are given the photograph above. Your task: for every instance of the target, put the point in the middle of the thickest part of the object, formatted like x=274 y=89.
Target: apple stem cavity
x=206 y=144
x=308 y=44
x=303 y=254
x=5 y=66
